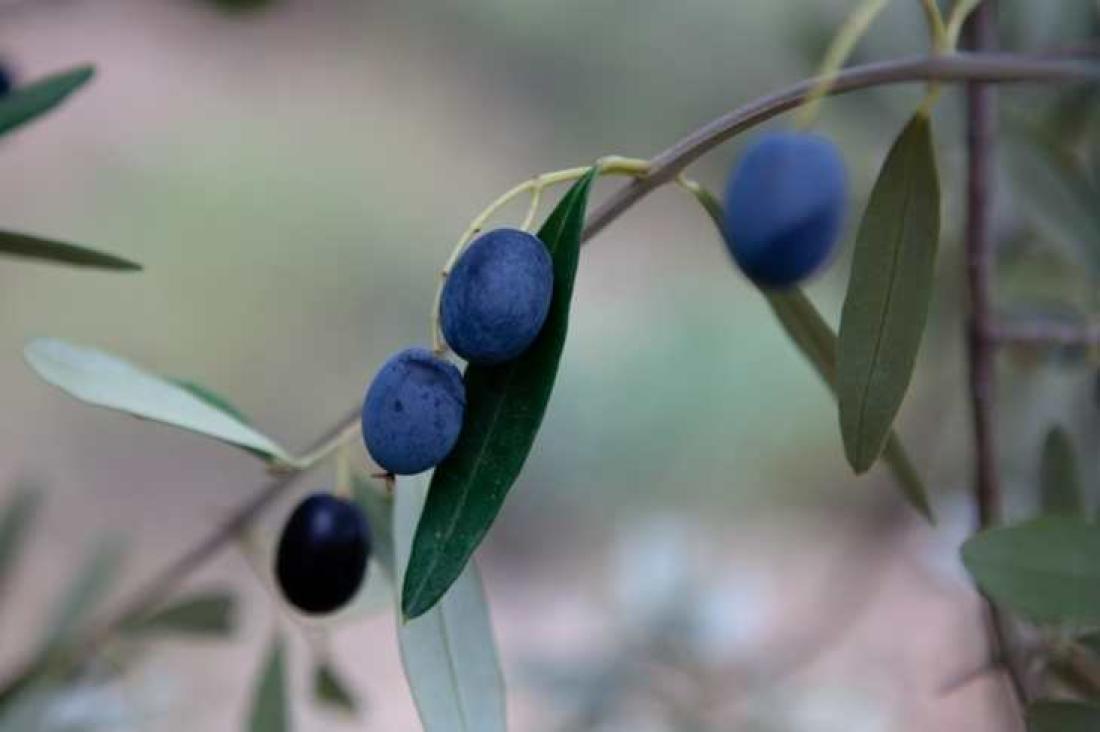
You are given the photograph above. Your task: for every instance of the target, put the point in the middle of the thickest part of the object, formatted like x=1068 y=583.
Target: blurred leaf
x=817 y=342
x=330 y=690
x=886 y=305
x=504 y=408
x=269 y=703
x=448 y=652
x=1091 y=641
x=1056 y=193
x=1058 y=478
x=1045 y=569
x=208 y=614
x=104 y=380
x=1062 y=716
x=15 y=522
x=25 y=103
x=14 y=244
x=88 y=588
x=379 y=512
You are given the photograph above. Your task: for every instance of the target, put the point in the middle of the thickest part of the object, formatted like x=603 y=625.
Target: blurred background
x=687 y=549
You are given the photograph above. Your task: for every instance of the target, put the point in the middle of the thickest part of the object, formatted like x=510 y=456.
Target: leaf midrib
x=879 y=333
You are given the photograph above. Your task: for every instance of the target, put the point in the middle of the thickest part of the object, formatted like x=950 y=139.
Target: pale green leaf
x=105 y=380
x=888 y=294
x=449 y=654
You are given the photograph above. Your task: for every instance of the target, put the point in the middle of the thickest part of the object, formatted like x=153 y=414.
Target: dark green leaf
x=14 y=244
x=1045 y=569
x=105 y=380
x=1062 y=716
x=886 y=305
x=15 y=524
x=1091 y=641
x=269 y=711
x=448 y=653
x=331 y=691
x=86 y=591
x=817 y=342
x=505 y=406
x=209 y=614
x=1058 y=478
x=24 y=104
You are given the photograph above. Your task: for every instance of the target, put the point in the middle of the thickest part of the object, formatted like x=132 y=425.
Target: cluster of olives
x=784 y=210
x=492 y=307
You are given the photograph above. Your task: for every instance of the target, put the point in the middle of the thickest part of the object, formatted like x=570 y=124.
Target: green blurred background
x=292 y=176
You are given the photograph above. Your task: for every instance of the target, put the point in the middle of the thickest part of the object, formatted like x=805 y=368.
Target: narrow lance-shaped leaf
x=332 y=691
x=1062 y=716
x=817 y=342
x=1059 y=483
x=15 y=524
x=448 y=652
x=14 y=244
x=505 y=406
x=208 y=614
x=886 y=305
x=269 y=712
x=24 y=104
x=104 y=380
x=1044 y=569
x=87 y=589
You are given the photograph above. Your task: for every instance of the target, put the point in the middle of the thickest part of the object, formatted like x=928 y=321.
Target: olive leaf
x=207 y=614
x=1059 y=483
x=105 y=380
x=886 y=305
x=1044 y=569
x=448 y=652
x=331 y=691
x=15 y=244
x=505 y=407
x=1062 y=716
x=25 y=103
x=84 y=593
x=817 y=342
x=269 y=712
x=16 y=521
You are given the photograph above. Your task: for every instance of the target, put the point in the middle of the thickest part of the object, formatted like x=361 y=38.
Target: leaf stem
x=609 y=165
x=841 y=47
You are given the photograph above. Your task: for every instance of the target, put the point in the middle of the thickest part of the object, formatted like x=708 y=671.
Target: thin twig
x=987 y=67
x=665 y=167
x=980 y=253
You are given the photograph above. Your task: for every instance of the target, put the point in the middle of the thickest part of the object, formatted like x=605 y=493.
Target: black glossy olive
x=322 y=556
